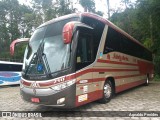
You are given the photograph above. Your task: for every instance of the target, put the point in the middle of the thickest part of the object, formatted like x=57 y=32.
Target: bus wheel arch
x=108 y=90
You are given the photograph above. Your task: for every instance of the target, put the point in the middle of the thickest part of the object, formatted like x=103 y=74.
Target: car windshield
x=46 y=51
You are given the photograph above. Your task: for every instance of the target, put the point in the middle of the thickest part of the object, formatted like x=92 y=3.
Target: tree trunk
x=108 y=8
x=151 y=27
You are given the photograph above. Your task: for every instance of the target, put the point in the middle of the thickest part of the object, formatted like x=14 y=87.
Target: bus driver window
x=84 y=51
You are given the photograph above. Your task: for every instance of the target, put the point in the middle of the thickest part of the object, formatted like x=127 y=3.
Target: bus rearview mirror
x=67 y=32
x=69 y=28
x=13 y=44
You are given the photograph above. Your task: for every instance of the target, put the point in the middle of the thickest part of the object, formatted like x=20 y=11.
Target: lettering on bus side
x=120 y=57
x=134 y=60
x=59 y=80
x=108 y=56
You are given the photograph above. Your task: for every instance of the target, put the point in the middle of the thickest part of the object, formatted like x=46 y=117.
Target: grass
x=157 y=78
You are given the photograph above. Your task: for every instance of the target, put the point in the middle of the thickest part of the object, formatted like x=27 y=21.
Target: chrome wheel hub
x=147 y=80
x=107 y=90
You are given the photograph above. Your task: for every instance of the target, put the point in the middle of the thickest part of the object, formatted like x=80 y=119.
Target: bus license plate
x=35 y=100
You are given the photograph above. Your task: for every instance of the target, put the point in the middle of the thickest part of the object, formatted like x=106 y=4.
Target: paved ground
x=142 y=98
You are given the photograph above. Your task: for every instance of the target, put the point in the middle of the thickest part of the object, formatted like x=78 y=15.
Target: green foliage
x=142 y=21
x=157 y=78
x=99 y=13
x=19 y=21
x=63 y=8
x=88 y=5
x=11 y=24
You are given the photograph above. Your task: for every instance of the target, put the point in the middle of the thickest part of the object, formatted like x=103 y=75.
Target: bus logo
x=34 y=86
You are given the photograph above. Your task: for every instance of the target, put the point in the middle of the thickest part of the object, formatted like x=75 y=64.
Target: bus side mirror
x=68 y=32
x=69 y=28
x=13 y=44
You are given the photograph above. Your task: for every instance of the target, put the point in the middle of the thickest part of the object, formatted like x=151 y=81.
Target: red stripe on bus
x=51 y=83
x=129 y=85
x=91 y=80
x=115 y=62
x=70 y=77
x=73 y=76
x=25 y=83
x=103 y=79
x=45 y=84
x=102 y=70
x=127 y=76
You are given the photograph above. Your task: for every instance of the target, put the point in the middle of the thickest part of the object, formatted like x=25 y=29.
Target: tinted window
x=84 y=54
x=116 y=41
x=97 y=31
x=10 y=67
x=113 y=41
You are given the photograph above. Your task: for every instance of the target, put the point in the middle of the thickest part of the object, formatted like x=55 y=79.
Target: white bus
x=80 y=58
x=10 y=73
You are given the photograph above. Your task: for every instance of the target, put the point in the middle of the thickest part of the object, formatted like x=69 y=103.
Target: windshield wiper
x=40 y=58
x=43 y=59
x=48 y=71
x=32 y=60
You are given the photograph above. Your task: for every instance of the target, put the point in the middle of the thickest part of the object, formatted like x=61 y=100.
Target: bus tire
x=107 y=92
x=147 y=81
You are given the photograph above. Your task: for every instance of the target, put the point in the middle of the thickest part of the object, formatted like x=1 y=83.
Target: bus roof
x=91 y=15
x=60 y=18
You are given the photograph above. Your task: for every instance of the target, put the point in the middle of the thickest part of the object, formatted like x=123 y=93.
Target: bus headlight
x=60 y=101
x=63 y=85
x=21 y=86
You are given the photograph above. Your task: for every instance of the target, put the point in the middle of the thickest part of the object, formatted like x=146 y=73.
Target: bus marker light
x=83 y=81
x=35 y=100
x=60 y=101
x=101 y=55
x=85 y=89
x=81 y=88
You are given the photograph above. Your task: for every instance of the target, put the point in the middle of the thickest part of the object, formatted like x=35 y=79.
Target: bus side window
x=113 y=41
x=84 y=51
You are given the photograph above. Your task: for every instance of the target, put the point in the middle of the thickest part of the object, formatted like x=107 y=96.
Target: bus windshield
x=46 y=52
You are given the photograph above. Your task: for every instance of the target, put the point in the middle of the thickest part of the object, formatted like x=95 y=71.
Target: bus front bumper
x=47 y=97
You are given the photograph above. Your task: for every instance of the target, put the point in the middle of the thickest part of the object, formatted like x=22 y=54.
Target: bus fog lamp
x=60 y=101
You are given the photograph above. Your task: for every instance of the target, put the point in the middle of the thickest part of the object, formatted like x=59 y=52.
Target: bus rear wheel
x=107 y=92
x=147 y=81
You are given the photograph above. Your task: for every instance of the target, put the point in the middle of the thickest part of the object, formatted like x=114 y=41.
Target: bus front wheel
x=107 y=92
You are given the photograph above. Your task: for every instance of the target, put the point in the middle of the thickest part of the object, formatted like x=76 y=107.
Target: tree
x=142 y=22
x=88 y=5
x=64 y=8
x=13 y=25
x=17 y=21
x=108 y=6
